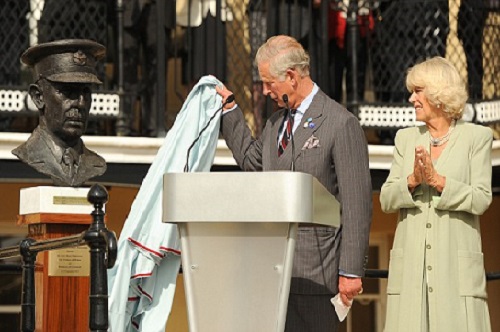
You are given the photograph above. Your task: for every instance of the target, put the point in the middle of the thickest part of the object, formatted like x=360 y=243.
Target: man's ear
x=292 y=76
x=37 y=96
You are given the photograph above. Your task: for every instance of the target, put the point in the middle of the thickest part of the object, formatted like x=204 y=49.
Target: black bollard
x=28 y=292
x=102 y=245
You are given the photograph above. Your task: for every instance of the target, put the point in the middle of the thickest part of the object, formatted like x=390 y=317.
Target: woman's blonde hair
x=283 y=53
x=442 y=85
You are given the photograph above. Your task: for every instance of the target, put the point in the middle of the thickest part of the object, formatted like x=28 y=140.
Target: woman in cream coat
x=440 y=183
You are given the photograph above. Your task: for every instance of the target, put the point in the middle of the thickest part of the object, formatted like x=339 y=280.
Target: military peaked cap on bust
x=66 y=61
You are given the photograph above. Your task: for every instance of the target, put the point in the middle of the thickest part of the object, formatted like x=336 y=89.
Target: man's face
x=272 y=86
x=67 y=107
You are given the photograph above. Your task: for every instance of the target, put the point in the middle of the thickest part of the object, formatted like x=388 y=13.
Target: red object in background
x=337 y=24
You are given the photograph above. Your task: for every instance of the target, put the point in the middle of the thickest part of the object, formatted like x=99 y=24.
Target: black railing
x=371 y=273
x=10 y=269
x=103 y=250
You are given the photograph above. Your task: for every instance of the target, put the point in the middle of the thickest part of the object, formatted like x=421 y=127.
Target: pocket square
x=311 y=143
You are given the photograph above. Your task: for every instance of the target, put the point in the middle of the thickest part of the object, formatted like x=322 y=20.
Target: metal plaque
x=69 y=262
x=70 y=200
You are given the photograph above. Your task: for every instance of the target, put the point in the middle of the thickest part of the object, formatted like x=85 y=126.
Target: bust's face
x=67 y=107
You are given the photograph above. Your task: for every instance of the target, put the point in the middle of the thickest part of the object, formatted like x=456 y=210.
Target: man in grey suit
x=328 y=143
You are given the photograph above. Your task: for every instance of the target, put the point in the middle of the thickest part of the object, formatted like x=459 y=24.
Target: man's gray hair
x=283 y=53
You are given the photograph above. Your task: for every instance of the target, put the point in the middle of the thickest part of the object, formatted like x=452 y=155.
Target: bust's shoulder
x=92 y=159
x=33 y=150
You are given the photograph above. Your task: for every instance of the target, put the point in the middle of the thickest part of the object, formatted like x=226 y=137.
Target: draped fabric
x=142 y=282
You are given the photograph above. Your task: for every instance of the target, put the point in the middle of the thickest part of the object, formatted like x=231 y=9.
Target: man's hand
x=224 y=93
x=348 y=288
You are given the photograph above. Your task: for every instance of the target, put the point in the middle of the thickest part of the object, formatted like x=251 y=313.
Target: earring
x=438 y=105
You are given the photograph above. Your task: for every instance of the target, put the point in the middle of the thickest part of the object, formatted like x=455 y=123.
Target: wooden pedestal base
x=62 y=302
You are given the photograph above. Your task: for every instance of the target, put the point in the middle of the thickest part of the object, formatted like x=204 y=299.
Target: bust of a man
x=64 y=72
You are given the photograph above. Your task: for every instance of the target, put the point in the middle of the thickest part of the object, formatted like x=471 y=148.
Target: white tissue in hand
x=340 y=308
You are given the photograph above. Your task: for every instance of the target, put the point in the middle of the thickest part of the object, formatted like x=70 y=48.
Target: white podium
x=238 y=232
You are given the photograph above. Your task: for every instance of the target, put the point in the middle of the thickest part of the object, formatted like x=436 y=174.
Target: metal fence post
x=98 y=238
x=122 y=121
x=28 y=293
x=352 y=55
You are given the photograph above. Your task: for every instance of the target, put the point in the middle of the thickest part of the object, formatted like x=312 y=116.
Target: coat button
x=428 y=225
x=428 y=246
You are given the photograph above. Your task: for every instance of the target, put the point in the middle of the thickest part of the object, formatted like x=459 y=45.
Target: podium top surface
x=248 y=197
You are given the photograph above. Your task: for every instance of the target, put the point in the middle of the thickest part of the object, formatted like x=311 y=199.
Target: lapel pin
x=309 y=123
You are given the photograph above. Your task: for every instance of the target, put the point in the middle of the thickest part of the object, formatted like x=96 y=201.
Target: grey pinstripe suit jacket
x=340 y=163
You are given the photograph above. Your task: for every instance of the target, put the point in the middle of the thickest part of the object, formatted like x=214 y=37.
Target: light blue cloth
x=141 y=285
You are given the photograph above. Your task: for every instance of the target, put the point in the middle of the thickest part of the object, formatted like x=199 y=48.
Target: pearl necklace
x=441 y=140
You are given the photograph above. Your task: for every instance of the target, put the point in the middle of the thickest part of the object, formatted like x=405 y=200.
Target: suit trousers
x=311 y=313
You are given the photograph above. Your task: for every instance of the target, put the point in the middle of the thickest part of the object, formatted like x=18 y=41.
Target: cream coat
x=438 y=237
